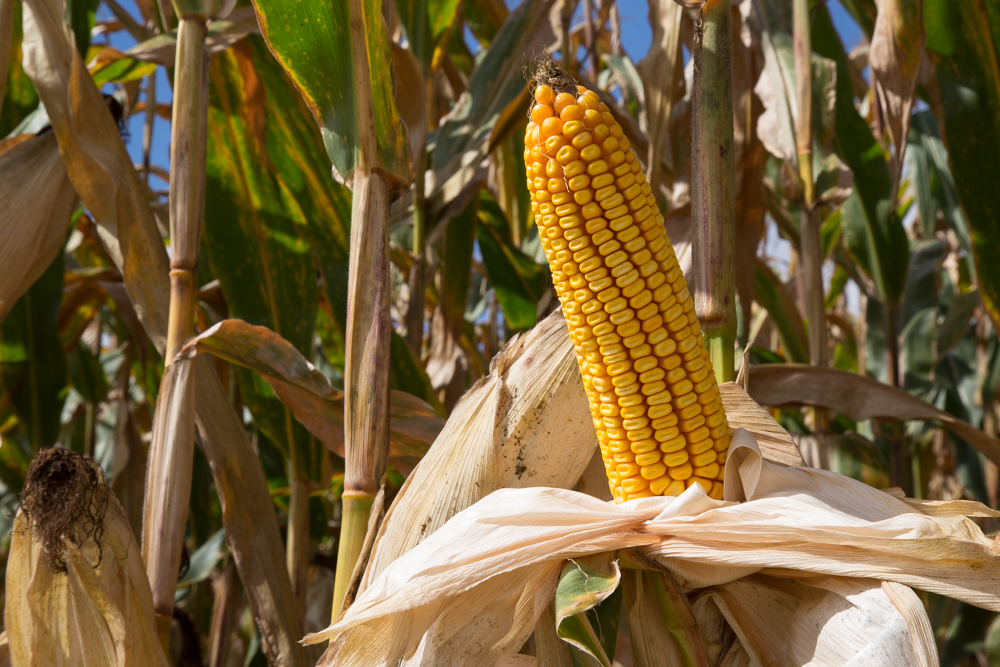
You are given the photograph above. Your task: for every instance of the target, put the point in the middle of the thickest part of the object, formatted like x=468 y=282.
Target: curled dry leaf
x=856 y=397
x=785 y=522
x=76 y=587
x=37 y=202
x=161 y=49
x=308 y=393
x=894 y=56
x=106 y=181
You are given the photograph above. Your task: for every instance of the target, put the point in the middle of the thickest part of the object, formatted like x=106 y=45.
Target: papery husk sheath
x=713 y=187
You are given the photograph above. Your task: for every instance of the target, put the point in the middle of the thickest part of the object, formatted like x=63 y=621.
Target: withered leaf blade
x=36 y=204
x=317 y=404
x=856 y=397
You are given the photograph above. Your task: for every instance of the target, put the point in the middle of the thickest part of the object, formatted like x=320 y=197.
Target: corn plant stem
x=588 y=34
x=713 y=207
x=812 y=252
x=803 y=80
x=187 y=183
x=565 y=19
x=415 y=308
x=353 y=528
x=366 y=373
x=164 y=533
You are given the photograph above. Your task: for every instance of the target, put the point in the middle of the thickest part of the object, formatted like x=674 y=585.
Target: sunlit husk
x=88 y=615
x=526 y=424
x=777 y=520
x=36 y=203
x=816 y=621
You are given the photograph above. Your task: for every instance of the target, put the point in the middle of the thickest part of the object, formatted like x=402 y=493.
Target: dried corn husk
x=505 y=552
x=818 y=621
x=36 y=203
x=525 y=424
x=98 y=611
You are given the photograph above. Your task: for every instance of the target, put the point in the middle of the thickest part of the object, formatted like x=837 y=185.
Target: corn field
x=524 y=333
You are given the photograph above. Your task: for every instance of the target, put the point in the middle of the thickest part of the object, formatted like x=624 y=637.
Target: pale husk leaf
x=780 y=520
x=526 y=424
x=36 y=205
x=88 y=615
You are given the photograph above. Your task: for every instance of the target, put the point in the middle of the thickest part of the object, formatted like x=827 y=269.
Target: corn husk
x=99 y=611
x=818 y=621
x=525 y=424
x=36 y=204
x=494 y=565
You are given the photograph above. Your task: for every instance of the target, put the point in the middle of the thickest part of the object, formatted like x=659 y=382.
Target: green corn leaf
x=257 y=232
x=770 y=293
x=32 y=360
x=964 y=38
x=873 y=232
x=587 y=607
x=519 y=282
x=314 y=44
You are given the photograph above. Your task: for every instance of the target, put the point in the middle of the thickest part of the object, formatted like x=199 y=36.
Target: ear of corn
x=653 y=395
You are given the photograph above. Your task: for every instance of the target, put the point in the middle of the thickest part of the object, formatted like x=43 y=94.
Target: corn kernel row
x=652 y=392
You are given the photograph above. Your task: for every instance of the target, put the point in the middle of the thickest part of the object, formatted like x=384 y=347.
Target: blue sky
x=636 y=38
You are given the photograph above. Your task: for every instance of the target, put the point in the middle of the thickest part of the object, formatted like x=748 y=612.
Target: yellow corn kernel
x=652 y=392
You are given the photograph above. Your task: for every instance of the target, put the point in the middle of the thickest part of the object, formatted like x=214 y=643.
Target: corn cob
x=653 y=395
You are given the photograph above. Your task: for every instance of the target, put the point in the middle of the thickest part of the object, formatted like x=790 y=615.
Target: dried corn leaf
x=894 y=56
x=317 y=404
x=856 y=397
x=788 y=521
x=106 y=180
x=36 y=204
x=742 y=412
x=99 y=611
x=526 y=424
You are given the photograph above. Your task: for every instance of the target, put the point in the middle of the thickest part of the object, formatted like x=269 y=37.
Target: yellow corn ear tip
x=653 y=396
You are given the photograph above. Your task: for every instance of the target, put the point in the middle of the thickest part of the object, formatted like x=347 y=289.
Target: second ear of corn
x=653 y=394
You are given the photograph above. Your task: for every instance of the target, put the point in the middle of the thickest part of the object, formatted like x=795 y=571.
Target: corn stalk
x=814 y=305
x=366 y=381
x=713 y=205
x=168 y=484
